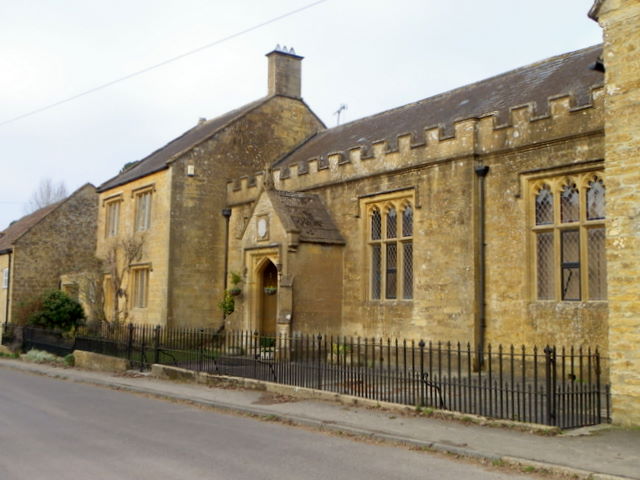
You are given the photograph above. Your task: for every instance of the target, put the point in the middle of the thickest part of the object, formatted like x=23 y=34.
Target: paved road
x=53 y=429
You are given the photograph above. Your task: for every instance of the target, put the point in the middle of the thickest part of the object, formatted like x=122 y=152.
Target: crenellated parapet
x=564 y=116
x=375 y=157
x=245 y=189
x=521 y=126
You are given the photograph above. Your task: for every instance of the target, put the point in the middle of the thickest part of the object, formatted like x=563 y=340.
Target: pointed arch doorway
x=268 y=301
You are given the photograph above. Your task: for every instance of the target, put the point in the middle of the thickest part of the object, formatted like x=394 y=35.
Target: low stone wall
x=98 y=362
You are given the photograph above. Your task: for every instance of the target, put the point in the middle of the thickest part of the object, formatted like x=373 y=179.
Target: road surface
x=55 y=429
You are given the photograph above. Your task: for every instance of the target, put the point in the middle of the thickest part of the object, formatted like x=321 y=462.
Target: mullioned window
x=568 y=235
x=390 y=248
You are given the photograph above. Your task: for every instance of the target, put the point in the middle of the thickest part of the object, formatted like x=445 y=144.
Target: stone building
x=161 y=228
x=475 y=216
x=37 y=249
x=501 y=212
x=620 y=21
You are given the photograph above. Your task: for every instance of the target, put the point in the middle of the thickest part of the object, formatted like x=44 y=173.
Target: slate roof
x=18 y=228
x=536 y=83
x=160 y=159
x=594 y=11
x=305 y=213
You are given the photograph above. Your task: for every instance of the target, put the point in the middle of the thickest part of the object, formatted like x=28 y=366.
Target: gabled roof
x=533 y=84
x=161 y=158
x=18 y=228
x=306 y=214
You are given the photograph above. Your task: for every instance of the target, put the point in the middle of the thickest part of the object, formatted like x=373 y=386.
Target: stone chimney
x=284 y=72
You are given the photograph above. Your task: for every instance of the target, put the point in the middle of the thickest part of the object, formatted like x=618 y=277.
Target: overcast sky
x=370 y=55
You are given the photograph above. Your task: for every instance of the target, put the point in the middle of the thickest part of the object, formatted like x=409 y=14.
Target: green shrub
x=69 y=360
x=267 y=342
x=227 y=304
x=236 y=279
x=59 y=311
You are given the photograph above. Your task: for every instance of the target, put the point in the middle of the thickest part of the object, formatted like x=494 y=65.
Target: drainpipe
x=6 y=306
x=226 y=213
x=481 y=322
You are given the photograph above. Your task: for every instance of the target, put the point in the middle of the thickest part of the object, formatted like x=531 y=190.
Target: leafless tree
x=47 y=193
x=92 y=291
x=117 y=262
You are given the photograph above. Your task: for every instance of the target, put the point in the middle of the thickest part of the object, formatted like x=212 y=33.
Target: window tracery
x=569 y=238
x=390 y=239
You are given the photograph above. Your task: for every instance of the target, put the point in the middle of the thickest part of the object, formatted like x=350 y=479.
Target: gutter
x=226 y=213
x=8 y=251
x=480 y=326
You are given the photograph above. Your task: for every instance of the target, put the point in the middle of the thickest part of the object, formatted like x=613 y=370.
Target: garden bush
x=58 y=311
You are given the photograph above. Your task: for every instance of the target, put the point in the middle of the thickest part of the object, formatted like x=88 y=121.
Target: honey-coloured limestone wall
x=62 y=242
x=310 y=278
x=155 y=240
x=197 y=244
x=620 y=20
x=439 y=175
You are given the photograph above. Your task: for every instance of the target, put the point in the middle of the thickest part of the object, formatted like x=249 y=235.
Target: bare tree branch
x=117 y=262
x=47 y=193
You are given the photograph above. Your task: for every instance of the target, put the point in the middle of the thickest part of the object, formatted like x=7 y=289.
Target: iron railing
x=564 y=387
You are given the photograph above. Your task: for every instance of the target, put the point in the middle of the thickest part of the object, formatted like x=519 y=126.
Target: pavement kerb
x=78 y=377
x=166 y=372
x=561 y=469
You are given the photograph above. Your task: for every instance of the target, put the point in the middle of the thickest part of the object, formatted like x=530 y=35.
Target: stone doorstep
x=165 y=372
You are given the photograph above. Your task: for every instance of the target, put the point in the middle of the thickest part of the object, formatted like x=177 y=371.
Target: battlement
x=523 y=126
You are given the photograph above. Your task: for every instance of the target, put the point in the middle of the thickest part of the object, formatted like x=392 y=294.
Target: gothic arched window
x=391 y=250
x=569 y=238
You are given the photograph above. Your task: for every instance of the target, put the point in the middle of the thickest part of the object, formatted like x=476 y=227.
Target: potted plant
x=270 y=290
x=235 y=289
x=267 y=348
x=227 y=304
